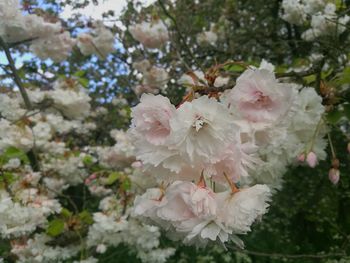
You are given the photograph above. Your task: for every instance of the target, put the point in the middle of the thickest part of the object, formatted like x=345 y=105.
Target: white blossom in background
x=101 y=43
x=151 y=34
x=36 y=250
x=71 y=98
x=57 y=46
x=208 y=37
x=324 y=19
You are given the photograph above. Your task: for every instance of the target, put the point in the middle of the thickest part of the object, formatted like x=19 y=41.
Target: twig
x=16 y=78
x=182 y=38
x=292 y=256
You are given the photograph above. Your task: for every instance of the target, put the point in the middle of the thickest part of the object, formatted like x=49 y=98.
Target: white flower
x=56 y=46
x=101 y=44
x=293 y=12
x=151 y=35
x=239 y=210
x=71 y=99
x=201 y=129
x=209 y=37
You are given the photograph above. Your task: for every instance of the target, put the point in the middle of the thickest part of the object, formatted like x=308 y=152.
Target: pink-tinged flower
x=258 y=97
x=187 y=201
x=151 y=119
x=238 y=211
x=334 y=175
x=236 y=161
x=201 y=130
x=311 y=159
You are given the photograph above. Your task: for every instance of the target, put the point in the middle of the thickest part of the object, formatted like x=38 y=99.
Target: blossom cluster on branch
x=202 y=149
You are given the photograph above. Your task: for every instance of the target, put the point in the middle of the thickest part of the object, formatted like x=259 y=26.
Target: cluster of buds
x=310 y=158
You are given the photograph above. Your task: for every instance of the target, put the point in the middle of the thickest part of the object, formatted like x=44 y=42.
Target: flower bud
x=334 y=175
x=301 y=158
x=335 y=163
x=311 y=159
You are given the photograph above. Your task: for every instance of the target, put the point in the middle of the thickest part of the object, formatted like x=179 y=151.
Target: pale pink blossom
x=151 y=118
x=258 y=97
x=187 y=201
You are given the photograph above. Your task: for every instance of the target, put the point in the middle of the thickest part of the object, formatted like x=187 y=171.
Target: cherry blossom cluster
x=47 y=36
x=320 y=15
x=216 y=158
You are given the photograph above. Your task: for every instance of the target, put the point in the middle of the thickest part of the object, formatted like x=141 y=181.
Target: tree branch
x=31 y=154
x=15 y=75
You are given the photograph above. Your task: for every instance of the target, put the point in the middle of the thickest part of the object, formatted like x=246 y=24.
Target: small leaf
x=112 y=178
x=56 y=227
x=126 y=184
x=87 y=160
x=8 y=177
x=334 y=116
x=309 y=79
x=346 y=110
x=66 y=213
x=84 y=82
x=86 y=217
x=234 y=68
x=13 y=152
x=79 y=73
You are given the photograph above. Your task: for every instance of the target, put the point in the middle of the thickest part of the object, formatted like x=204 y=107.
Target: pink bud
x=136 y=164
x=87 y=181
x=334 y=175
x=301 y=158
x=311 y=159
x=93 y=177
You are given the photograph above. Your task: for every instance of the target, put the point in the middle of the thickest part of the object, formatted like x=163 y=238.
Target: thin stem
x=232 y=184
x=15 y=75
x=331 y=145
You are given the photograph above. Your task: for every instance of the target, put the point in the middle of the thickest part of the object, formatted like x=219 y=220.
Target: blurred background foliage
x=309 y=218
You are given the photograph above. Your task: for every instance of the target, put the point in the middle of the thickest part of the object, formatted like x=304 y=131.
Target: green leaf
x=8 y=177
x=87 y=160
x=86 y=217
x=346 y=110
x=56 y=227
x=309 y=79
x=112 y=178
x=344 y=77
x=79 y=73
x=66 y=213
x=234 y=68
x=334 y=116
x=84 y=82
x=126 y=184
x=13 y=152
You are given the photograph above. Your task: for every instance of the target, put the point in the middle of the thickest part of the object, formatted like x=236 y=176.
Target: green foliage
x=55 y=228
